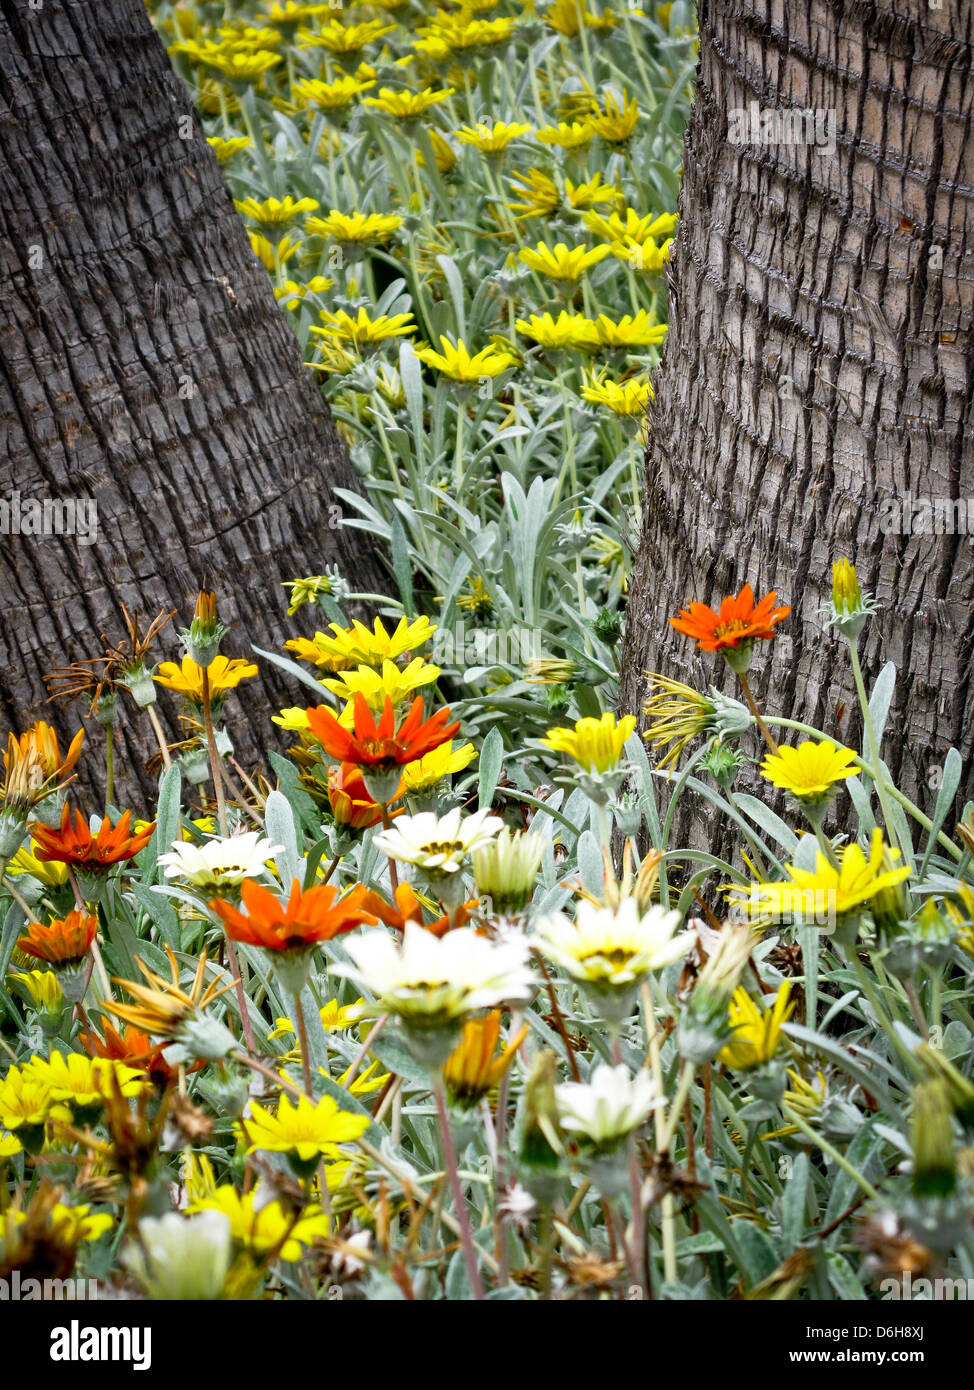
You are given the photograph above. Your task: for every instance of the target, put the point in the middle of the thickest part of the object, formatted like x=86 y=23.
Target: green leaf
x=402 y=566
x=793 y=1204
x=491 y=760
x=880 y=701
x=281 y=830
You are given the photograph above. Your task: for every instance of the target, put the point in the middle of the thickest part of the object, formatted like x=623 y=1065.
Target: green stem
x=872 y=741
x=463 y=1218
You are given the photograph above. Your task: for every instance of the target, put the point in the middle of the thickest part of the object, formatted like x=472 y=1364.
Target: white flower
x=182 y=1257
x=219 y=863
x=612 y=947
x=607 y=1107
x=432 y=981
x=438 y=844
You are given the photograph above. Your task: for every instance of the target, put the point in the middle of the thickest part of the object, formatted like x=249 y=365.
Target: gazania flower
x=273 y=255
x=460 y=33
x=595 y=744
x=492 y=138
x=405 y=105
x=438 y=844
x=677 y=714
x=268 y=1229
x=645 y=256
x=224 y=674
x=850 y=607
x=632 y=330
x=131 y=1047
x=605 y=1110
x=740 y=621
x=74 y=844
x=618 y=121
x=34 y=770
x=163 y=1008
x=25 y=861
x=242 y=66
x=409 y=908
x=392 y=684
x=562 y=262
x=572 y=331
x=629 y=227
x=757 y=1030
x=349 y=798
x=474 y=1068
x=566 y=17
x=573 y=135
x=226 y=149
x=355 y=228
x=62 y=943
x=825 y=893
x=68 y=1226
x=506 y=869
x=42 y=988
x=363 y=331
x=381 y=746
x=629 y=398
x=637 y=885
x=427 y=772
x=84 y=1081
x=443 y=153
x=293 y=292
x=304 y=920
x=220 y=863
x=312 y=587
x=330 y=96
x=456 y=362
x=274 y=212
x=356 y=645
x=25 y=1099
x=345 y=40
x=309 y=1130
x=811 y=771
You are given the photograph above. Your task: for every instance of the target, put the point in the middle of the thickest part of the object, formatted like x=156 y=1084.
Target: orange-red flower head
x=409 y=908
x=349 y=798
x=63 y=942
x=371 y=744
x=73 y=843
x=739 y=621
x=301 y=922
x=131 y=1047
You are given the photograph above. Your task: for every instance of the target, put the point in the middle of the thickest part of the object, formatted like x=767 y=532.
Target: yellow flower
x=644 y=256
x=811 y=770
x=367 y=1082
x=83 y=1081
x=456 y=362
x=460 y=33
x=226 y=149
x=354 y=228
x=269 y=1230
x=330 y=96
x=443 y=152
x=345 y=40
x=846 y=594
x=274 y=212
x=617 y=122
x=356 y=645
x=335 y=1018
x=224 y=674
x=244 y=66
x=573 y=331
x=25 y=861
x=9 y=1146
x=677 y=714
x=42 y=988
x=428 y=771
x=567 y=16
x=474 y=1067
x=562 y=262
x=69 y=1225
x=757 y=1031
x=272 y=256
x=630 y=397
x=491 y=139
x=391 y=684
x=805 y=1099
x=292 y=292
x=630 y=228
x=595 y=744
x=826 y=892
x=25 y=1099
x=309 y=1129
x=294 y=719
x=634 y=330
x=363 y=331
x=406 y=105
x=570 y=135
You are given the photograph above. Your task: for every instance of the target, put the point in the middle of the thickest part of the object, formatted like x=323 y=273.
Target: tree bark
x=145 y=366
x=819 y=369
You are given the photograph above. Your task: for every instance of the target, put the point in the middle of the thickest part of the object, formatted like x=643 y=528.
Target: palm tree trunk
x=818 y=380
x=144 y=367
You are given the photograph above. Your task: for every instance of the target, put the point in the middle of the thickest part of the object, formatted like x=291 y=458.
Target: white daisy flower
x=219 y=863
x=438 y=844
x=608 y=1107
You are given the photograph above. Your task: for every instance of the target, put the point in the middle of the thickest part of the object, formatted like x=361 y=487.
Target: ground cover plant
x=433 y=1003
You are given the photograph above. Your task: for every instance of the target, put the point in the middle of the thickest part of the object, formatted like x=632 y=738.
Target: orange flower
x=133 y=1048
x=408 y=908
x=376 y=745
x=43 y=740
x=33 y=767
x=349 y=799
x=75 y=844
x=65 y=941
x=739 y=620
x=306 y=918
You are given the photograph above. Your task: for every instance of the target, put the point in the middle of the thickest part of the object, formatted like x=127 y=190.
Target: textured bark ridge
x=144 y=365
x=819 y=368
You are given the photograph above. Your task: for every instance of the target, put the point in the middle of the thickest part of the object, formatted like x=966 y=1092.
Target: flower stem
x=215 y=769
x=160 y=736
x=303 y=1043
x=746 y=687
x=241 y=993
x=450 y=1159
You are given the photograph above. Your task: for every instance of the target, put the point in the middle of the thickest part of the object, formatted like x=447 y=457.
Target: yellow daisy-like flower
x=629 y=398
x=757 y=1030
x=571 y=331
x=356 y=645
x=25 y=861
x=309 y=1129
x=566 y=17
x=293 y=720
x=562 y=262
x=459 y=33
x=491 y=139
x=292 y=292
x=677 y=715
x=335 y=1018
x=634 y=330
x=405 y=105
x=25 y=1099
x=475 y=1067
x=274 y=212
x=644 y=256
x=618 y=121
x=224 y=674
x=428 y=771
x=247 y=65
x=345 y=40
x=367 y=1082
x=291 y=13
x=42 y=988
x=810 y=771
x=226 y=149
x=9 y=1146
x=392 y=684
x=269 y=1229
x=456 y=362
x=273 y=255
x=826 y=892
x=362 y=330
x=84 y=1081
x=443 y=153
x=70 y=1225
x=630 y=227
x=354 y=228
x=567 y=135
x=595 y=744
x=330 y=96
